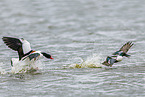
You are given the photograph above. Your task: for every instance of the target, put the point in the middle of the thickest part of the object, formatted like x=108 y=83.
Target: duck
x=118 y=55
x=25 y=53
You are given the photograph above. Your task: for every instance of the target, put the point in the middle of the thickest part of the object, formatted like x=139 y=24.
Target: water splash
x=25 y=66
x=91 y=62
x=22 y=66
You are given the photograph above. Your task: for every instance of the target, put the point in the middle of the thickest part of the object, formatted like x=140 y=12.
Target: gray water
x=70 y=30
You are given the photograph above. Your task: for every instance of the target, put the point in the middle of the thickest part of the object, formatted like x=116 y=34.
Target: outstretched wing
x=14 y=44
x=126 y=47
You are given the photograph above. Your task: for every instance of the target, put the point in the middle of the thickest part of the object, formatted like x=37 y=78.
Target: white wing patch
x=26 y=46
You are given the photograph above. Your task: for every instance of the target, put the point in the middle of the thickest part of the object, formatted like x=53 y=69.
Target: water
x=73 y=31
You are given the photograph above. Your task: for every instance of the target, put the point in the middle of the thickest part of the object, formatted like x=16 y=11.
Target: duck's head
x=46 y=55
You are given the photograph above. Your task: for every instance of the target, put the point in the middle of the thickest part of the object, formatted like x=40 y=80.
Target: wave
x=2 y=71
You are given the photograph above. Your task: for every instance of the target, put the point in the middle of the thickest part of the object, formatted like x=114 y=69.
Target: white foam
x=25 y=66
x=93 y=61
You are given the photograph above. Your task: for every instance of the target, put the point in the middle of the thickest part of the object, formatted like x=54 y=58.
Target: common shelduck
x=118 y=55
x=26 y=54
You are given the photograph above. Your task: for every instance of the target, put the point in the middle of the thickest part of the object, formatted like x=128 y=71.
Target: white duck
x=27 y=56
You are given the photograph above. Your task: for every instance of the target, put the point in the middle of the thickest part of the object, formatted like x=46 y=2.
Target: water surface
x=71 y=30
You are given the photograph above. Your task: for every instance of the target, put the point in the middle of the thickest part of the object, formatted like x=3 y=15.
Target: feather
x=126 y=47
x=15 y=44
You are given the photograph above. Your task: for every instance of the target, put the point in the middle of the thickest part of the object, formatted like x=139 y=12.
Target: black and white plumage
x=118 y=55
x=23 y=48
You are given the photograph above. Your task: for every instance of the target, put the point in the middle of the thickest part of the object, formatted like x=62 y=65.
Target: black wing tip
x=13 y=43
x=126 y=46
x=130 y=43
x=4 y=38
x=8 y=37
